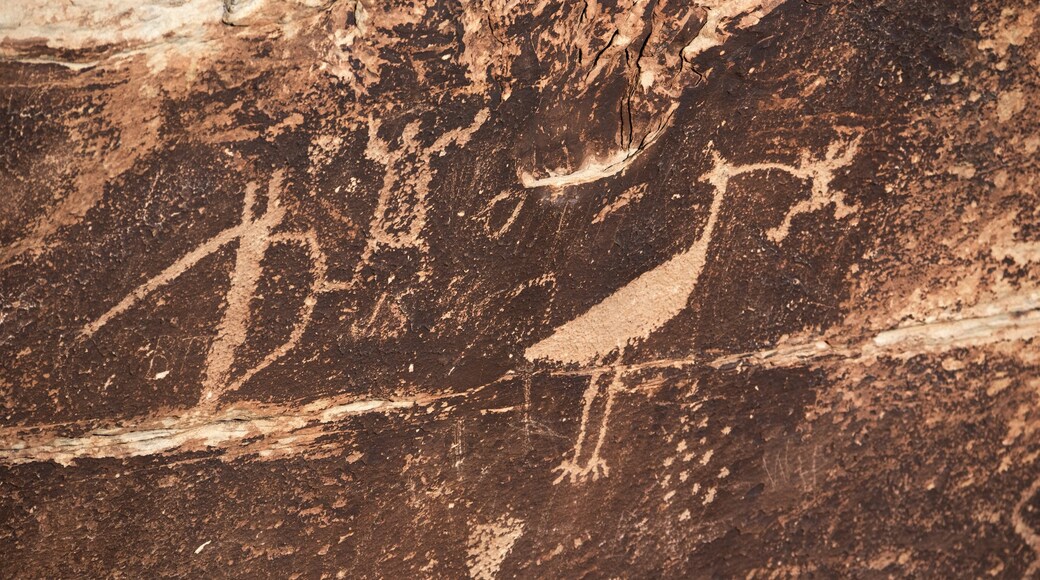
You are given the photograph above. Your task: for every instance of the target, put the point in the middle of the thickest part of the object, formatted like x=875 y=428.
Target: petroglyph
x=402 y=205
x=549 y=289
x=635 y=310
x=254 y=237
x=655 y=297
x=401 y=209
x=484 y=216
x=489 y=544
x=820 y=173
x=630 y=195
x=649 y=301
x=584 y=464
x=1028 y=534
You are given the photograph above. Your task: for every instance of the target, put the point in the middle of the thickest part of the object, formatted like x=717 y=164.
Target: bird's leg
x=578 y=468
x=595 y=464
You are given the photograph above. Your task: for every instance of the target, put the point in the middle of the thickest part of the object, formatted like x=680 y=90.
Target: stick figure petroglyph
x=255 y=237
x=398 y=221
x=649 y=301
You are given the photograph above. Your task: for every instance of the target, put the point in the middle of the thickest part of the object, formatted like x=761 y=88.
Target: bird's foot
x=571 y=469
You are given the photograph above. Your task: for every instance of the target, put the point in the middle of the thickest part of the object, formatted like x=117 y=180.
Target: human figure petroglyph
x=402 y=205
x=629 y=315
x=254 y=234
x=397 y=222
x=657 y=296
x=400 y=215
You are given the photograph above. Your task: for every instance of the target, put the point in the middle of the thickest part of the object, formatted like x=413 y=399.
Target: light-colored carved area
x=500 y=289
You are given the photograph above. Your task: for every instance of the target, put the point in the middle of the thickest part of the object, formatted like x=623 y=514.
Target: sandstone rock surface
x=503 y=288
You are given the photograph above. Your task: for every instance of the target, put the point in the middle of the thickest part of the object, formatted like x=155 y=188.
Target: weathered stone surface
x=519 y=289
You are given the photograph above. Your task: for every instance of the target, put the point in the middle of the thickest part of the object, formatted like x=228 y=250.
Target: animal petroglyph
x=1024 y=530
x=645 y=304
x=635 y=310
x=254 y=236
x=655 y=297
x=582 y=463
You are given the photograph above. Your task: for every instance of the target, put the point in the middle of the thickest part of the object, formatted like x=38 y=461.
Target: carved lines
x=1027 y=533
x=578 y=468
x=254 y=239
x=212 y=428
x=657 y=296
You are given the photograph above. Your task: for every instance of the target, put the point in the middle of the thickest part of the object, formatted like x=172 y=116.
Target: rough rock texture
x=504 y=288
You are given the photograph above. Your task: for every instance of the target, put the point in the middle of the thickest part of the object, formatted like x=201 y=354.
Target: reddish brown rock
x=736 y=288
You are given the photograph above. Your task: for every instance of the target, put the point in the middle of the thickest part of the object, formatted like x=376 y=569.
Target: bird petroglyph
x=645 y=304
x=506 y=289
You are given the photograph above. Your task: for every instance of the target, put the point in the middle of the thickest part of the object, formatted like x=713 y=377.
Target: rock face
x=491 y=288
